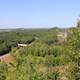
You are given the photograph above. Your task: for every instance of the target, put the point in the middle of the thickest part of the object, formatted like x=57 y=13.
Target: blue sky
x=38 y=13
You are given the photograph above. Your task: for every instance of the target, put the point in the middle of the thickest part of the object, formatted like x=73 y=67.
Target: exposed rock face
x=22 y=45
x=62 y=36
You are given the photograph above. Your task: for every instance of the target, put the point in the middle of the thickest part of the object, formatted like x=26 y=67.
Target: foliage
x=43 y=58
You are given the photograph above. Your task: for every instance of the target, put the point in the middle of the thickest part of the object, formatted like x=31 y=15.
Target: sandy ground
x=7 y=58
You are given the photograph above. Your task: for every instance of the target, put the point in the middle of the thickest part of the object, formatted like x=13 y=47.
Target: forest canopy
x=46 y=57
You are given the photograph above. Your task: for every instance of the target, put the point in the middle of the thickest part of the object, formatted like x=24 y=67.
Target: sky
x=38 y=13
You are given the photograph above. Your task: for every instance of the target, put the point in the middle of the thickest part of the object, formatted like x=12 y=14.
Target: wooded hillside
x=44 y=57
